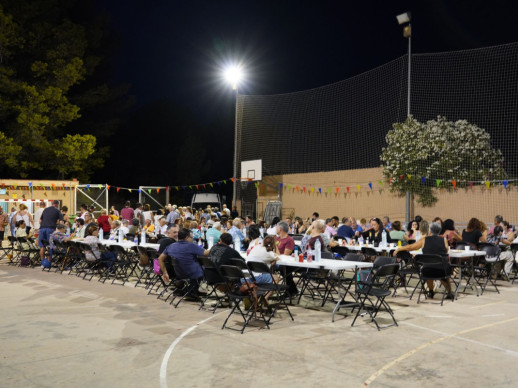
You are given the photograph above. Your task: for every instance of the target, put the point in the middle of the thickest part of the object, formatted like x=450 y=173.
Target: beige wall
x=460 y=205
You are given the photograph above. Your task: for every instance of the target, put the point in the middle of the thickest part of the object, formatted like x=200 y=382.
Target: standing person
x=83 y=210
x=12 y=221
x=139 y=213
x=49 y=220
x=64 y=210
x=172 y=216
x=38 y=213
x=4 y=221
x=115 y=211
x=234 y=213
x=104 y=224
x=148 y=214
x=23 y=214
x=127 y=213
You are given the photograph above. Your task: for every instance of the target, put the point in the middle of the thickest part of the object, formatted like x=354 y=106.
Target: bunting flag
x=409 y=176
x=370 y=185
x=118 y=189
x=224 y=181
x=337 y=189
x=312 y=189
x=320 y=190
x=100 y=187
x=88 y=187
x=280 y=184
x=380 y=183
x=359 y=188
x=470 y=185
x=438 y=182
x=30 y=184
x=401 y=177
x=176 y=187
x=454 y=183
x=423 y=180
x=505 y=183
x=211 y=185
x=329 y=190
x=157 y=191
x=107 y=187
x=347 y=188
x=297 y=188
x=149 y=191
x=197 y=188
x=304 y=189
x=487 y=184
x=390 y=180
x=232 y=179
x=129 y=190
x=139 y=191
x=256 y=185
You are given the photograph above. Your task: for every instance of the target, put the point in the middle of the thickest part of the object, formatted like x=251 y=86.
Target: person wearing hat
x=57 y=235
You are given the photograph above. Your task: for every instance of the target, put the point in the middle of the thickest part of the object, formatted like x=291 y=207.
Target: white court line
x=165 y=360
x=510 y=352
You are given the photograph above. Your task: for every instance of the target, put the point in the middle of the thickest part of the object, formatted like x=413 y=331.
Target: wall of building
x=460 y=205
x=16 y=191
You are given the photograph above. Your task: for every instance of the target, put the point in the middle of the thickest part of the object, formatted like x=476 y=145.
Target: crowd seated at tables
x=185 y=233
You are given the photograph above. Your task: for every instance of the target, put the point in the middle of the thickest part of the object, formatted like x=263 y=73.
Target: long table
x=326 y=264
x=129 y=244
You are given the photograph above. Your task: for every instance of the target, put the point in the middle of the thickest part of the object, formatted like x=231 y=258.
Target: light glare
x=233 y=75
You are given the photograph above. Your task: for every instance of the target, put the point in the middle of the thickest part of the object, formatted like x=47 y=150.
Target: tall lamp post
x=404 y=19
x=234 y=75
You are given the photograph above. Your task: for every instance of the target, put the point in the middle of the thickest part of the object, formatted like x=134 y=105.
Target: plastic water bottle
x=318 y=251
x=360 y=240
x=384 y=239
x=121 y=236
x=296 y=252
x=244 y=231
x=200 y=243
x=210 y=241
x=101 y=234
x=143 y=236
x=261 y=230
x=367 y=241
x=136 y=240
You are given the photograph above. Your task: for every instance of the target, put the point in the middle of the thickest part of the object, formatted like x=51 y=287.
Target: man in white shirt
x=37 y=215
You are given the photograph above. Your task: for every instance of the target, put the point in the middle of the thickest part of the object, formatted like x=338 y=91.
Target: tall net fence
x=344 y=126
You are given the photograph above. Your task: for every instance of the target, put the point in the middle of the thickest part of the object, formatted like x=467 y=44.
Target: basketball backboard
x=252 y=169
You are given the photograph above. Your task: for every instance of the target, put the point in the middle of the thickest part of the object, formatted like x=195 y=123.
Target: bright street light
x=233 y=75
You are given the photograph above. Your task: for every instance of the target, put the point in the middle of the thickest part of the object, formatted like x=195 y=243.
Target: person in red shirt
x=104 y=223
x=127 y=213
x=286 y=246
x=285 y=243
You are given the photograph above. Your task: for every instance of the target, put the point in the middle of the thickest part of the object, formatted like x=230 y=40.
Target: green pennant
x=438 y=182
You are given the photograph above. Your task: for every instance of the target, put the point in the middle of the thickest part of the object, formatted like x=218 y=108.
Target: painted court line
x=488 y=304
x=165 y=360
x=386 y=367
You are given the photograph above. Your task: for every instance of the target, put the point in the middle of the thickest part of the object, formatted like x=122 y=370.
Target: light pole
x=234 y=75
x=404 y=19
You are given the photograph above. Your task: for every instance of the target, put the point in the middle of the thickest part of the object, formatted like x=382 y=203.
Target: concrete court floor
x=61 y=331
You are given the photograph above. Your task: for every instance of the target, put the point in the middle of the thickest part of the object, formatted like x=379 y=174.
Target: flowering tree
x=419 y=157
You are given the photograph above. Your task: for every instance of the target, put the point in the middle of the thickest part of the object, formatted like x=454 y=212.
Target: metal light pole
x=234 y=75
x=405 y=18
x=234 y=188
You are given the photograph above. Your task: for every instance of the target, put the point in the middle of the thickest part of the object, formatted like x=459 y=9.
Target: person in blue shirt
x=235 y=231
x=185 y=252
x=345 y=230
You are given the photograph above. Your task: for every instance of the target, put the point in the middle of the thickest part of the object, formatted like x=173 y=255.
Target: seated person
x=57 y=235
x=114 y=233
x=412 y=232
x=162 y=227
x=345 y=230
x=185 y=253
x=499 y=239
x=396 y=234
x=214 y=233
x=149 y=228
x=267 y=253
x=221 y=253
x=375 y=233
x=21 y=231
x=432 y=244
x=80 y=229
x=92 y=239
x=125 y=227
x=134 y=228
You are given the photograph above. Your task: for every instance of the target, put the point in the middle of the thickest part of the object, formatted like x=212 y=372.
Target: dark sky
x=176 y=49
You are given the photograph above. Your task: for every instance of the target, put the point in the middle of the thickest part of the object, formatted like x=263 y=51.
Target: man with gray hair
x=285 y=243
x=235 y=231
x=214 y=233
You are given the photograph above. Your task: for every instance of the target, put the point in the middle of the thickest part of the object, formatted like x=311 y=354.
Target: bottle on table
x=384 y=239
x=318 y=251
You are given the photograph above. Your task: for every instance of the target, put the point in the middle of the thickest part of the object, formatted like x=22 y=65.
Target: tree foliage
x=47 y=56
x=438 y=150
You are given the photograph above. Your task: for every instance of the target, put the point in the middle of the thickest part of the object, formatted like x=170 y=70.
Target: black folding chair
x=233 y=276
x=278 y=290
x=371 y=294
x=486 y=268
x=213 y=279
x=369 y=253
x=185 y=287
x=432 y=267
x=342 y=251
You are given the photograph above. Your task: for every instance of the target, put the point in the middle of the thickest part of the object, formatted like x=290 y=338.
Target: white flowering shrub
x=440 y=149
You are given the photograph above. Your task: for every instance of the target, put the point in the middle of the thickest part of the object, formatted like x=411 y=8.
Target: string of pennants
x=439 y=183
x=53 y=186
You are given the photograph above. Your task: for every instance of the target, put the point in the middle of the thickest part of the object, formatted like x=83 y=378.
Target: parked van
x=202 y=200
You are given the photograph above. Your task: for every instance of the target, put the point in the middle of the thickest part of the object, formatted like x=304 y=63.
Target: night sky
x=177 y=50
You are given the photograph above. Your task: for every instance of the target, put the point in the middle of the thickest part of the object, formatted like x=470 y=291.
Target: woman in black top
x=473 y=232
x=375 y=233
x=437 y=245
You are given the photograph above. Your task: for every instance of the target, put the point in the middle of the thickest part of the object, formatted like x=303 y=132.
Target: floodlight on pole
x=234 y=75
x=407 y=33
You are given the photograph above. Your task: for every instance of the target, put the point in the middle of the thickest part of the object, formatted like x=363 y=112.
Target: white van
x=201 y=200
